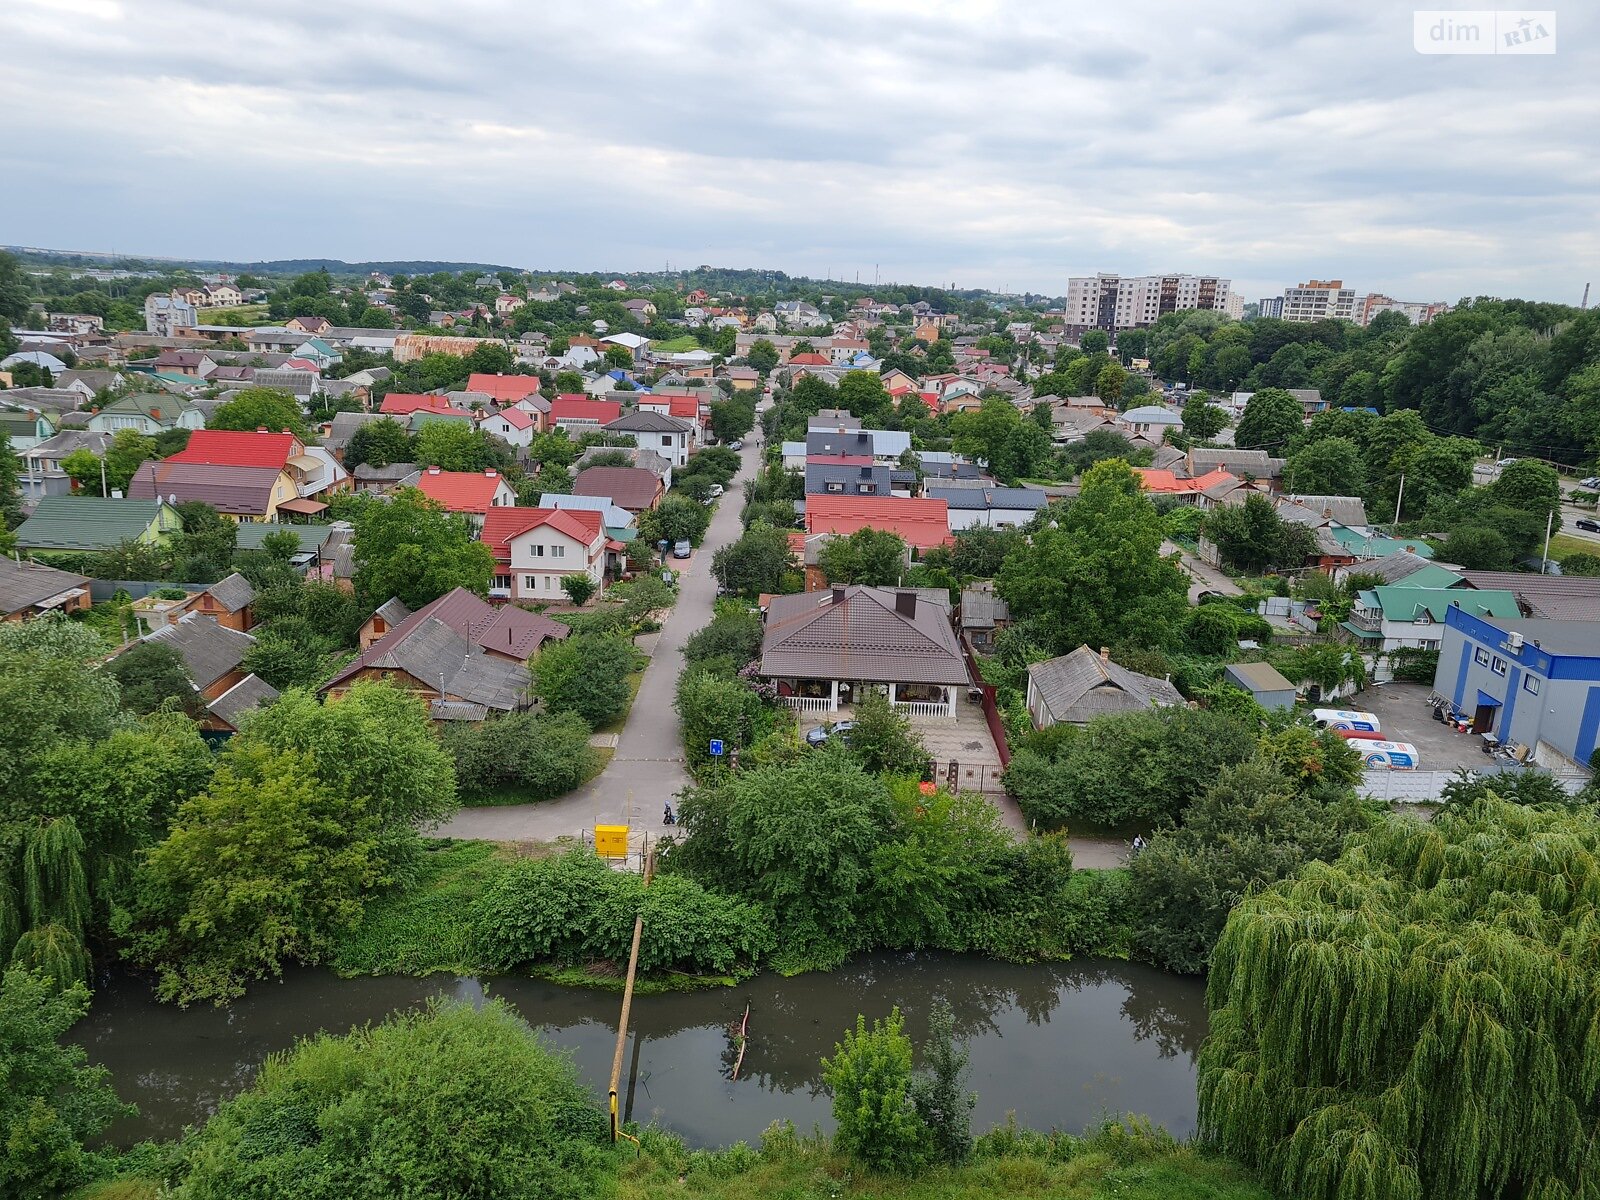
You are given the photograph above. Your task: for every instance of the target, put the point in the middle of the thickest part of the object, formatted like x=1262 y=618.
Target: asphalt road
x=647 y=771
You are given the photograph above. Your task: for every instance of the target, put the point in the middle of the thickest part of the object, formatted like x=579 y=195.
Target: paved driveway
x=647 y=770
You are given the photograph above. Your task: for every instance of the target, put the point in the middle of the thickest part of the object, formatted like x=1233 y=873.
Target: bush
x=716 y=706
x=575 y=909
x=870 y=1078
x=454 y=1102
x=586 y=675
x=542 y=756
x=578 y=588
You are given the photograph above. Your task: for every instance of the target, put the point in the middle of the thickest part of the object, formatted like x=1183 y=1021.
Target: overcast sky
x=994 y=144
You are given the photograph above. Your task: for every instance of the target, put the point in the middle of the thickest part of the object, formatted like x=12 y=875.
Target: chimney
x=905 y=603
x=1105 y=653
x=433 y=470
x=838 y=595
x=490 y=472
x=262 y=429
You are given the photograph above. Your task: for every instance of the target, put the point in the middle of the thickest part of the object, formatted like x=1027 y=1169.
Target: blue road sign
x=716 y=747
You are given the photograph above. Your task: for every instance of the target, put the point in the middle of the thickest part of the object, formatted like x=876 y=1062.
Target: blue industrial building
x=1534 y=682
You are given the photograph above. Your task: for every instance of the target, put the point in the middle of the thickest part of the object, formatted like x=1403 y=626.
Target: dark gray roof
x=252 y=534
x=645 y=421
x=344 y=425
x=1577 y=638
x=68 y=440
x=393 y=611
x=248 y=694
x=244 y=491
x=1015 y=499
x=831 y=441
x=1347 y=510
x=208 y=650
x=857 y=633
x=233 y=592
x=835 y=477
x=27 y=585
x=1257 y=463
x=367 y=473
x=1391 y=568
x=1080 y=686
x=436 y=654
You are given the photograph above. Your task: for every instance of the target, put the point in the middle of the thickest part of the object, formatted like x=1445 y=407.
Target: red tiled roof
x=581 y=408
x=507 y=389
x=922 y=523
x=1166 y=483
x=400 y=404
x=684 y=406
x=460 y=491
x=809 y=360
x=501 y=525
x=230 y=448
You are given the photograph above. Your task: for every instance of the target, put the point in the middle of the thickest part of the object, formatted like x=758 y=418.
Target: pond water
x=1061 y=1045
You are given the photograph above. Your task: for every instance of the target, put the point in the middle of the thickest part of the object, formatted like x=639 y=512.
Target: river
x=1061 y=1045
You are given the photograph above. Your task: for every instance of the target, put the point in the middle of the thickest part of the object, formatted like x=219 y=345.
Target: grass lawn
x=1563 y=545
x=245 y=314
x=419 y=928
x=511 y=794
x=677 y=345
x=635 y=678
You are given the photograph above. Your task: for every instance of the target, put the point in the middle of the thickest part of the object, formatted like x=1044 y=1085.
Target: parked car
x=1586 y=524
x=822 y=733
x=1592 y=483
x=736 y=444
x=682 y=550
x=716 y=490
x=1505 y=462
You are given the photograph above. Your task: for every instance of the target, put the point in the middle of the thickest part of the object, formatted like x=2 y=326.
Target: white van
x=1339 y=718
x=1393 y=756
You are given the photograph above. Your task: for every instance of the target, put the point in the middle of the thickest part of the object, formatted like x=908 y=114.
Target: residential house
x=213 y=654
x=922 y=523
x=403 y=404
x=222 y=295
x=41 y=466
x=31 y=589
x=229 y=602
x=336 y=433
x=1078 y=687
x=536 y=548
x=578 y=414
x=1556 y=597
x=990 y=508
x=512 y=425
x=621 y=526
x=1267 y=687
x=382 y=480
x=459 y=652
x=642 y=311
x=1533 y=684
x=473 y=493
x=75 y=524
x=386 y=617
x=239 y=493
x=308 y=471
x=26 y=429
x=1396 y=567
x=631 y=488
x=148 y=413
x=275 y=340
x=191 y=364
x=227 y=712
x=832 y=420
x=840 y=474
x=667 y=436
x=825 y=650
x=983 y=615
x=167 y=316
x=1400 y=616
x=89 y=382
x=1150 y=421
x=505 y=303
x=1310 y=401
x=504 y=389
x=1204 y=491
x=308 y=325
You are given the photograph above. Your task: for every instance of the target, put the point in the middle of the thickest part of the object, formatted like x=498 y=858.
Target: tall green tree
x=758 y=562
x=378 y=444
x=410 y=547
x=1331 y=467
x=261 y=408
x=1203 y=420
x=870 y=1078
x=1094 y=573
x=1271 y=417
x=876 y=557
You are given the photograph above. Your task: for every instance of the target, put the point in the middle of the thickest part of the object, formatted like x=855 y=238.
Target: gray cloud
x=999 y=143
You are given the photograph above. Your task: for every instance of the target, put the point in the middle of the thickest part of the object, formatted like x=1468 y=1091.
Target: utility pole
x=1549 y=524
x=1400 y=495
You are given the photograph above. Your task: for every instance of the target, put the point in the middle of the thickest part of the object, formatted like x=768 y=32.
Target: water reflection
x=1062 y=1045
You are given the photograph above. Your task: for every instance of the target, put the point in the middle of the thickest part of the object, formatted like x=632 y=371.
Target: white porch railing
x=810 y=704
x=922 y=708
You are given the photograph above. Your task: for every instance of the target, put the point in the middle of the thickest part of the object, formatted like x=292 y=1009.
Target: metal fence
x=101 y=590
x=1427 y=787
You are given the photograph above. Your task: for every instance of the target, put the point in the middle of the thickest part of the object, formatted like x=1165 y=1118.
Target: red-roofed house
x=507 y=389
x=923 y=524
x=1203 y=490
x=403 y=404
x=515 y=426
x=685 y=408
x=234 y=448
x=579 y=413
x=474 y=493
x=534 y=548
x=810 y=359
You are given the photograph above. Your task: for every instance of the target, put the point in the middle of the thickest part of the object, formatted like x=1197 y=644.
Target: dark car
x=682 y=550
x=1585 y=523
x=822 y=733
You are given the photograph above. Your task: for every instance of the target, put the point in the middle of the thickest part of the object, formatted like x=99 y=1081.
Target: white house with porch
x=825 y=650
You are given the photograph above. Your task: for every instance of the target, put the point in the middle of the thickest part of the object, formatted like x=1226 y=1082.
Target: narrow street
x=647 y=770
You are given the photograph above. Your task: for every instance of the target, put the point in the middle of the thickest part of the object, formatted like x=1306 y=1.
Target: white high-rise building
x=1320 y=300
x=1418 y=312
x=1113 y=302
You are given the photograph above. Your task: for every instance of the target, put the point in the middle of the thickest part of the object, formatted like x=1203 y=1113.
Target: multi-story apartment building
x=1418 y=312
x=1319 y=300
x=1270 y=307
x=1113 y=302
x=1233 y=305
x=166 y=314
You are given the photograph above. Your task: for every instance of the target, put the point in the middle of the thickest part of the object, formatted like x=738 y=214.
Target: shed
x=1266 y=686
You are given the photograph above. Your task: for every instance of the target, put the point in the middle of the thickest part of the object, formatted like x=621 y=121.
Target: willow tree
x=1420 y=1018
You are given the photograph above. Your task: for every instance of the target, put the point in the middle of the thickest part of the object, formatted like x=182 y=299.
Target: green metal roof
x=86 y=523
x=1430 y=576
x=1402 y=602
x=253 y=533
x=1375 y=545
